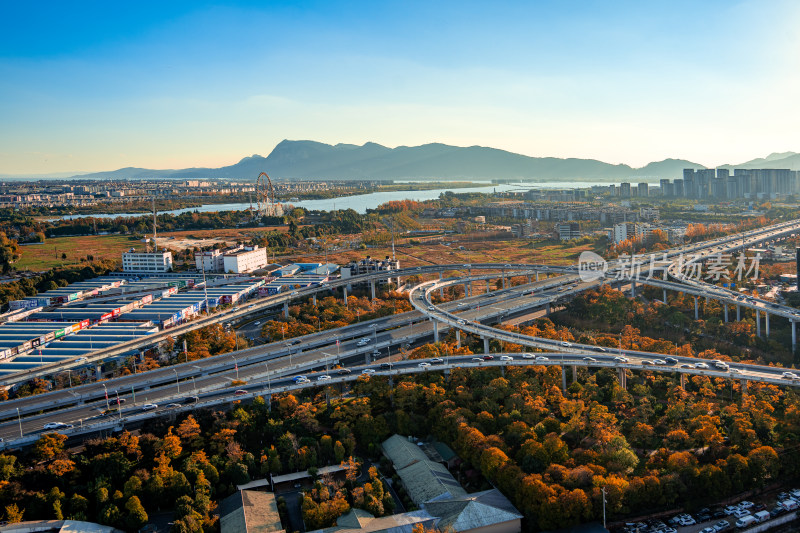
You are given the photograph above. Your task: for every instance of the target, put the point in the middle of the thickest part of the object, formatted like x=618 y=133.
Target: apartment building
x=133 y=261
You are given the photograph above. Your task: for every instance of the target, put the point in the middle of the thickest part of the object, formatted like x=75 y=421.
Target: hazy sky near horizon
x=89 y=86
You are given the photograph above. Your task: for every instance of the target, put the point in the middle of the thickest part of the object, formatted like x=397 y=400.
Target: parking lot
x=740 y=516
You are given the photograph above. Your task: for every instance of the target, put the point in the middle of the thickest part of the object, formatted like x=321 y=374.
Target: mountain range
x=295 y=160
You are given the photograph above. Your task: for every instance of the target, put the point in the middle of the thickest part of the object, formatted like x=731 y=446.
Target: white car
x=620 y=359
x=324 y=377
x=506 y=358
x=527 y=355
x=431 y=308
x=565 y=344
x=257 y=323
x=590 y=359
x=744 y=504
x=461 y=322
x=701 y=365
x=368 y=371
x=424 y=365
x=57 y=425
x=364 y=341
x=741 y=513
x=477 y=360
x=542 y=359
x=789 y=375
x=149 y=407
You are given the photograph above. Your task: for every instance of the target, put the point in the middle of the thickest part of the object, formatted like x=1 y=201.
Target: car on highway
x=298 y=379
x=364 y=341
x=600 y=349
x=542 y=358
x=118 y=401
x=671 y=360
x=172 y=406
x=324 y=377
x=251 y=306
x=386 y=366
x=507 y=265
x=57 y=425
x=565 y=344
x=191 y=399
x=468 y=265
x=437 y=361
x=477 y=360
x=149 y=407
x=590 y=359
x=659 y=362
x=527 y=355
x=734 y=371
x=701 y=365
x=257 y=323
x=461 y=322
x=293 y=342
x=240 y=392
x=424 y=364
x=789 y=375
x=343 y=371
x=431 y=308
x=81 y=360
x=368 y=371
x=620 y=359
x=295 y=293
x=506 y=358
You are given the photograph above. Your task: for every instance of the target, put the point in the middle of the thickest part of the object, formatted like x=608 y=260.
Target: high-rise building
x=625 y=190
x=643 y=190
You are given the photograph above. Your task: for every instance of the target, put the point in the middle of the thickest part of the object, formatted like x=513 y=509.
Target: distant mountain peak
x=306 y=159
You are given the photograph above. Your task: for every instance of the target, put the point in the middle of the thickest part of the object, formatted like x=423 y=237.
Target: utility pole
x=604 y=507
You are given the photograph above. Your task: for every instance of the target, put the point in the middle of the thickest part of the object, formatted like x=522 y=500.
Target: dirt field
x=180 y=240
x=39 y=257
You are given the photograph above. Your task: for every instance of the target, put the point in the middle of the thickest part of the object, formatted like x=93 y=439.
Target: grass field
x=39 y=257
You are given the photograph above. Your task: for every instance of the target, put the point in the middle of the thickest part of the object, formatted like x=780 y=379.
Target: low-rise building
x=133 y=261
x=250 y=511
x=210 y=261
x=244 y=259
x=568 y=231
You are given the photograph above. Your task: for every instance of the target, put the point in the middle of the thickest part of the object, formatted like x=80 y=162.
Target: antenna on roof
x=155 y=246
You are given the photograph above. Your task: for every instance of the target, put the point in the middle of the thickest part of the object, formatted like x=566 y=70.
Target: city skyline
x=199 y=84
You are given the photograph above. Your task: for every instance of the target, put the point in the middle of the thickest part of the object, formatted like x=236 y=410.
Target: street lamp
x=269 y=386
x=119 y=405
x=236 y=365
x=177 y=383
x=375 y=332
x=106 y=390
x=19 y=419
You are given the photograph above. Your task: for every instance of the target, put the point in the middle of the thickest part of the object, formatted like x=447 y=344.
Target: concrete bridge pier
x=794 y=334
x=441 y=289
x=766 y=321
x=683 y=380
x=286 y=309
x=725 y=311
x=315 y=299
x=529 y=278
x=98 y=372
x=574 y=373
x=744 y=387
x=372 y=288
x=466 y=290
x=633 y=288
x=503 y=277
x=503 y=371
x=665 y=295
x=458 y=338
x=344 y=291
x=446 y=372
x=488 y=287
x=564 y=378
x=547 y=309
x=696 y=309
x=485 y=345
x=268 y=399
x=435 y=331
x=758 y=322
x=738 y=313
x=623 y=379
x=537 y=275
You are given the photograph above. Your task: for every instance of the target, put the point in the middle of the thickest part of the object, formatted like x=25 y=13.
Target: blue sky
x=89 y=86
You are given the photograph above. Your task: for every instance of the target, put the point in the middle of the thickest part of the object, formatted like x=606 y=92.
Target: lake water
x=362 y=202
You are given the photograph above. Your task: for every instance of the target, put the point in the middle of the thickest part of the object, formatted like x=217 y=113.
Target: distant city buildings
x=720 y=184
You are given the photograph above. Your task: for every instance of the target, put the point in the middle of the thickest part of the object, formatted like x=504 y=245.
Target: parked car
x=739 y=513
x=722 y=525
x=730 y=509
x=744 y=504
x=762 y=516
x=745 y=521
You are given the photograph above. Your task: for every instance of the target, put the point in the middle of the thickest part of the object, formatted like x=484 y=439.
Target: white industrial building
x=245 y=259
x=133 y=261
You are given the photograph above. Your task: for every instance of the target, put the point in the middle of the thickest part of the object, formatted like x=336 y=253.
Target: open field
x=180 y=240
x=39 y=257
x=507 y=251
